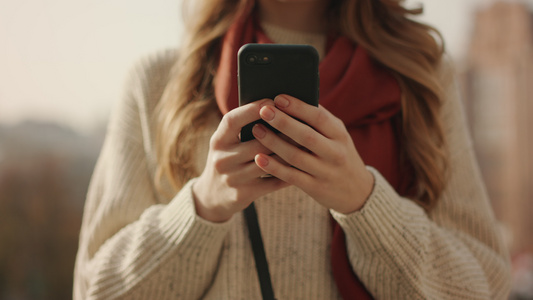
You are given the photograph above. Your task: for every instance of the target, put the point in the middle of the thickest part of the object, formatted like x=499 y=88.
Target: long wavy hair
x=411 y=50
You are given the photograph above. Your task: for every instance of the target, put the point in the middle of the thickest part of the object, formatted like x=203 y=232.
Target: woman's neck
x=305 y=16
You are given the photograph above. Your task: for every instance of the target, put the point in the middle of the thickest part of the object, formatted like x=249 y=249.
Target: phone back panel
x=267 y=70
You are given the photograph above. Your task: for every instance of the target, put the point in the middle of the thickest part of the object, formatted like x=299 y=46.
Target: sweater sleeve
x=455 y=252
x=132 y=243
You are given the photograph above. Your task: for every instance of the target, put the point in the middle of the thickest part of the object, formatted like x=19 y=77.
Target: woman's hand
x=231 y=180
x=327 y=168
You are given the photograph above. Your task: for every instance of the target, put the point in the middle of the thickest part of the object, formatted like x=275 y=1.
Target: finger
x=253 y=176
x=301 y=133
x=279 y=159
x=234 y=158
x=288 y=152
x=250 y=172
x=319 y=118
x=230 y=126
x=243 y=175
x=245 y=152
x=288 y=174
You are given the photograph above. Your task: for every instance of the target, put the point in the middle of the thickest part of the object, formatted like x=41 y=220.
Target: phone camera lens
x=252 y=59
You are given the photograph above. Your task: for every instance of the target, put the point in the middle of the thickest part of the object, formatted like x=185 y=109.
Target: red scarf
x=355 y=89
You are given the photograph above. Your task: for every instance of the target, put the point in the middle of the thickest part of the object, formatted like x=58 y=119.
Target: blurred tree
x=44 y=173
x=39 y=232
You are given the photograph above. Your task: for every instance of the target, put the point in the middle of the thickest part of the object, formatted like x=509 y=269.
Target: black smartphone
x=267 y=70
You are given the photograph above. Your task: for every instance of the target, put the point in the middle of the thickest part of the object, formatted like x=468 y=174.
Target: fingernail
x=261 y=161
x=258 y=131
x=281 y=101
x=267 y=113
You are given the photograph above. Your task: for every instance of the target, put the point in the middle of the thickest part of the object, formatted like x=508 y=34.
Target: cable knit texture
x=137 y=244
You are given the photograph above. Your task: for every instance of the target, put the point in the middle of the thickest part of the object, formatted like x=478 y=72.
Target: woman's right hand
x=231 y=180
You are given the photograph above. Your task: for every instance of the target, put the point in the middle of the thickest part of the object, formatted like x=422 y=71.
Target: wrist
x=205 y=208
x=365 y=188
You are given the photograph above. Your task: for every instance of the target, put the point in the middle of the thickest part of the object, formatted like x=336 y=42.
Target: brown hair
x=411 y=50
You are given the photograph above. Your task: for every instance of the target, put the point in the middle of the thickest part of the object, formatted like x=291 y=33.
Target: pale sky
x=66 y=60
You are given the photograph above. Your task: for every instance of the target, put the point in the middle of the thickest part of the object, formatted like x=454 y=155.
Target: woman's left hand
x=327 y=166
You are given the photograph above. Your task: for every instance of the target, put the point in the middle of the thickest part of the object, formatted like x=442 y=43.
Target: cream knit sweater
x=137 y=244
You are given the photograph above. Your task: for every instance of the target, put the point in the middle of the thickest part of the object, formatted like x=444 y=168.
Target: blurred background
x=62 y=68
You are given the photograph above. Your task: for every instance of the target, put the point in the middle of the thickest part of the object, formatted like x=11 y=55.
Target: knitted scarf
x=354 y=88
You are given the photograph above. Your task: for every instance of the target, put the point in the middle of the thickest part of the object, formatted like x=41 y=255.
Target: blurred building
x=498 y=84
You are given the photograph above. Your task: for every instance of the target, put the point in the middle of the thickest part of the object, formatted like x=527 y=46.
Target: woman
x=385 y=201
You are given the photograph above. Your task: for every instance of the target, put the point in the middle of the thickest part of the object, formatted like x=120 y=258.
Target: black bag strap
x=261 y=263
